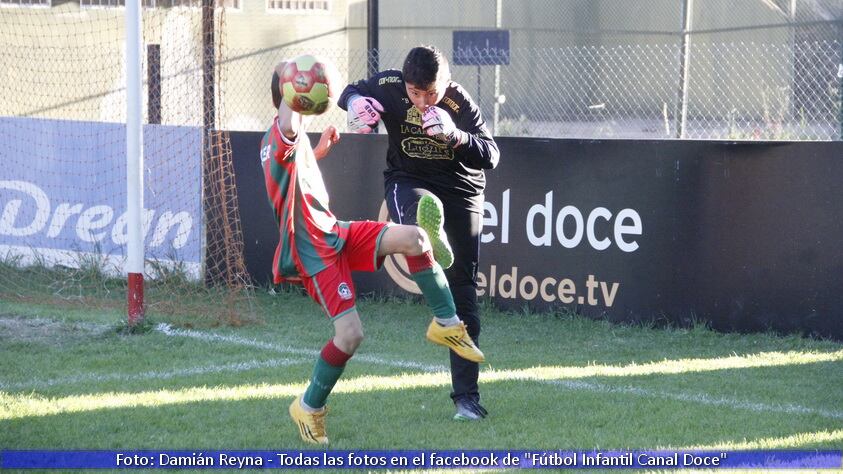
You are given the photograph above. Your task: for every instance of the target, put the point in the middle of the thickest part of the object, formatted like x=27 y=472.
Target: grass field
x=70 y=380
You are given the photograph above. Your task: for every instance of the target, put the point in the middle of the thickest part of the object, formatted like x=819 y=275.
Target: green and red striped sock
x=432 y=282
x=328 y=369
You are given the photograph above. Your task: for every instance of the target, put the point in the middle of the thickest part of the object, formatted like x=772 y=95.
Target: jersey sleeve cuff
x=283 y=137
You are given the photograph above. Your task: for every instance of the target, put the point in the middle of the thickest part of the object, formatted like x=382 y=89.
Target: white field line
x=489 y=376
x=794 y=441
x=700 y=398
x=210 y=337
x=19 y=406
x=155 y=374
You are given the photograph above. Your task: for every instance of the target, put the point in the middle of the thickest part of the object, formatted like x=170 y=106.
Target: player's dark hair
x=424 y=66
x=275 y=87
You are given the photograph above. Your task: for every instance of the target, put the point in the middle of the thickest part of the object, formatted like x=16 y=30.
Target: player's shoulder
x=271 y=135
x=457 y=98
x=389 y=77
x=456 y=91
x=275 y=144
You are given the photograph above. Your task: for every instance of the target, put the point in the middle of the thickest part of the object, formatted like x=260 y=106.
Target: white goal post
x=134 y=163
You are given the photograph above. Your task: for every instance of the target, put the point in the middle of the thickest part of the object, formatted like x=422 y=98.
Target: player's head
x=275 y=86
x=426 y=76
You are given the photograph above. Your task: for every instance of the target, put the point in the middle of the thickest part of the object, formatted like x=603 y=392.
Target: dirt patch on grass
x=46 y=331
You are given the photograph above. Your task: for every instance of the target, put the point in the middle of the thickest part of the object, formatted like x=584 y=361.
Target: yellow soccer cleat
x=311 y=425
x=455 y=338
x=430 y=217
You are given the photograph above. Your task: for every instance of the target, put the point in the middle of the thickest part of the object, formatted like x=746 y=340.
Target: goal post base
x=135 y=298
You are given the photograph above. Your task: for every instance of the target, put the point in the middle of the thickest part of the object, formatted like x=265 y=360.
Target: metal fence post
x=372 y=37
x=684 y=63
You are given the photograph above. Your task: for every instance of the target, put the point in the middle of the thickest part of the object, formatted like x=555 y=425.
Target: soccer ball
x=306 y=84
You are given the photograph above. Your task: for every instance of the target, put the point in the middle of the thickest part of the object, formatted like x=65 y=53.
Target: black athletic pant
x=463 y=229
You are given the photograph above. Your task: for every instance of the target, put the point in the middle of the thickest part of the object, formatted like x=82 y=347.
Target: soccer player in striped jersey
x=320 y=252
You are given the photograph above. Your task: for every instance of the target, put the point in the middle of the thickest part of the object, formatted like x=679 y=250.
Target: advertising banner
x=65 y=202
x=746 y=236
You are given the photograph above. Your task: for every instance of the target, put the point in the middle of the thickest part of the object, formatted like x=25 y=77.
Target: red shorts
x=332 y=288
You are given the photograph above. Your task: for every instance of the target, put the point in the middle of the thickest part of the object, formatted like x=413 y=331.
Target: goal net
x=63 y=219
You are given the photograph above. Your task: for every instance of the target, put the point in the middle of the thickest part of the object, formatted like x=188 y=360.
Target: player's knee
x=413 y=241
x=419 y=243
x=349 y=339
x=355 y=337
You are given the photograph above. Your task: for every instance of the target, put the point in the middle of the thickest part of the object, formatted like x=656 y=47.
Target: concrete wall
x=256 y=40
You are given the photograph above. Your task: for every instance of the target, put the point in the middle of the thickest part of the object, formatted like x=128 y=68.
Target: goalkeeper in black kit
x=438 y=145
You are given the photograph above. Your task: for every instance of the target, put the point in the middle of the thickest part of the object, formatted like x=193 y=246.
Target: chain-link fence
x=734 y=91
x=714 y=69
x=665 y=69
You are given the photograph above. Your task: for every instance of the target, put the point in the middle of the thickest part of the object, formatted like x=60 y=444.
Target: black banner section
x=747 y=236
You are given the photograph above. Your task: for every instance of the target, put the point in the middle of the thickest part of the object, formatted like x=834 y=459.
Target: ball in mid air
x=307 y=84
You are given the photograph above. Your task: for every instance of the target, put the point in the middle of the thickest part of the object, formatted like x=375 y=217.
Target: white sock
x=309 y=408
x=452 y=321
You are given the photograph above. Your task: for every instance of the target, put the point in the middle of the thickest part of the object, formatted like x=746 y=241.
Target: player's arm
x=330 y=136
x=364 y=88
x=289 y=122
x=479 y=148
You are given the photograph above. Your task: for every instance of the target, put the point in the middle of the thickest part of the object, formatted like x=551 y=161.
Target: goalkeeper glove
x=438 y=124
x=363 y=113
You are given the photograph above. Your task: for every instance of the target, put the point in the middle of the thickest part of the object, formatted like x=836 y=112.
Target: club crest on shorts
x=344 y=291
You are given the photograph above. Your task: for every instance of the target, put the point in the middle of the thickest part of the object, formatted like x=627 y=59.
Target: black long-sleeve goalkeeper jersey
x=451 y=173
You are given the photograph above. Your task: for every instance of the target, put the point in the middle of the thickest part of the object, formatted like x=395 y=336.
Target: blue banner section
x=63 y=188
x=449 y=459
x=481 y=48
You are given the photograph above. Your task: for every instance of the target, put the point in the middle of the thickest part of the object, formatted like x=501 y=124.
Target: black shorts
x=463 y=226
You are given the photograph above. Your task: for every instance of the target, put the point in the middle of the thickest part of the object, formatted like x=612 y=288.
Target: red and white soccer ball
x=307 y=84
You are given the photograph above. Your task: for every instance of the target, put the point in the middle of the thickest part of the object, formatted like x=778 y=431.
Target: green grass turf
x=71 y=380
